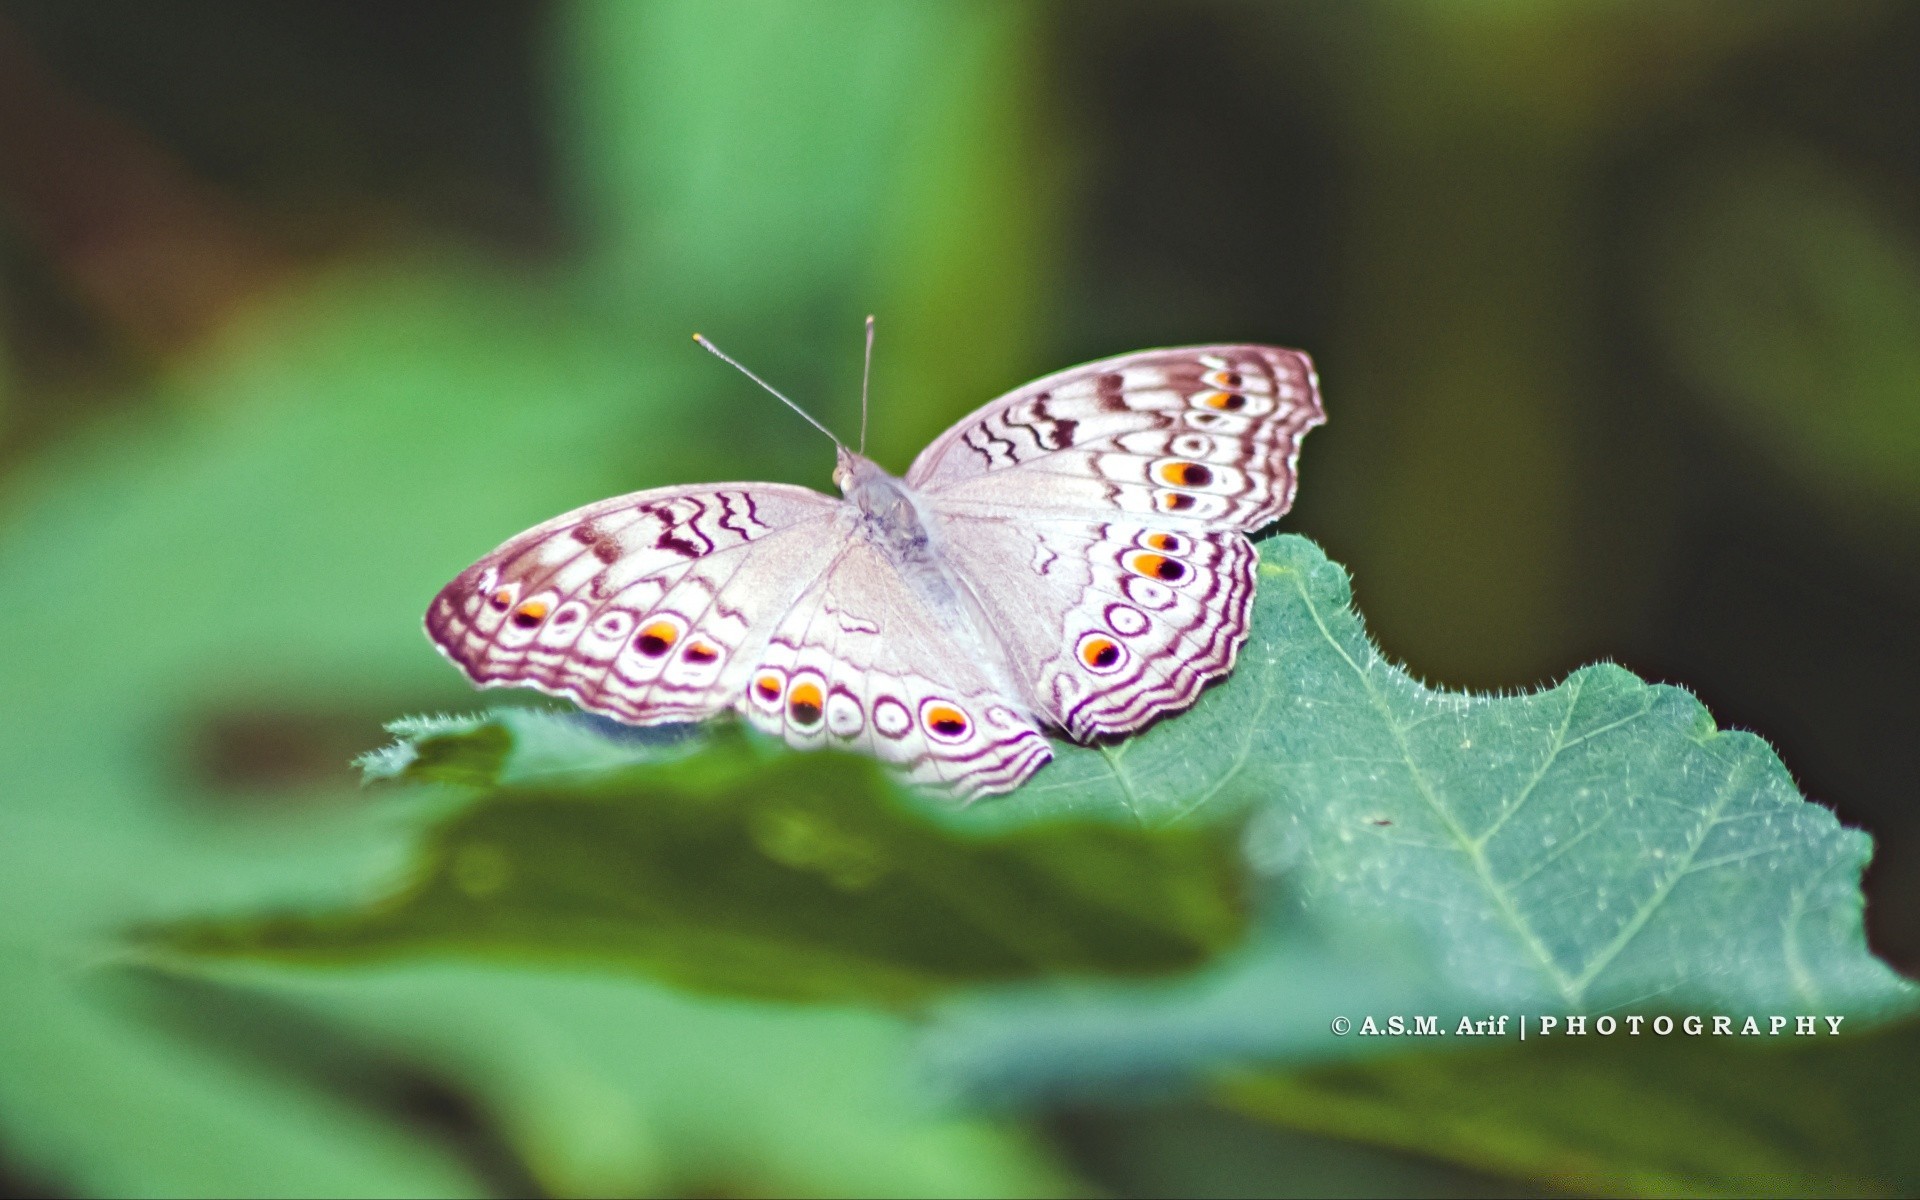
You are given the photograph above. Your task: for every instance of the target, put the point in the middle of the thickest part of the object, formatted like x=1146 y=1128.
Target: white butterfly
x=1073 y=556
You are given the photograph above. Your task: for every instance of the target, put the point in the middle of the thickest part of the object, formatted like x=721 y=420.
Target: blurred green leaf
x=774 y=874
x=1789 y=295
x=1634 y=1116
x=244 y=548
x=612 y=1086
x=770 y=171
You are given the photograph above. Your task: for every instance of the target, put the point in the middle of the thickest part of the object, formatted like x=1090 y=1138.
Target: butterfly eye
x=805 y=704
x=1156 y=566
x=1184 y=474
x=656 y=639
x=945 y=721
x=1100 y=653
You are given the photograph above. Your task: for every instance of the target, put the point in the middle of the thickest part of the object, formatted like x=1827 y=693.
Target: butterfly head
x=854 y=472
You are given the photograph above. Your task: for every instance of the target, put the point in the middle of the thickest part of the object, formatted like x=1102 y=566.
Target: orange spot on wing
x=657 y=638
x=1185 y=474
x=1156 y=566
x=804 y=705
x=946 y=720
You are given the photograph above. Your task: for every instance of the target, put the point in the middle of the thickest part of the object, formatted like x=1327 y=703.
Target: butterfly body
x=1073 y=557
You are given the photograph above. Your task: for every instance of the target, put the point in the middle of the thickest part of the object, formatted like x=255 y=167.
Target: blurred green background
x=303 y=306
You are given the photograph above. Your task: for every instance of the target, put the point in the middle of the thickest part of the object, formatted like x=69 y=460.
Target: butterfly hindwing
x=862 y=663
x=1113 y=622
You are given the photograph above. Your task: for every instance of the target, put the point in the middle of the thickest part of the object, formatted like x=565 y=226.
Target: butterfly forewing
x=647 y=607
x=1208 y=434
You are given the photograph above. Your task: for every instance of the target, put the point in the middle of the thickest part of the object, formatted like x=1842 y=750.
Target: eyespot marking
x=768 y=685
x=502 y=598
x=890 y=717
x=805 y=704
x=1126 y=620
x=1169 y=543
x=1156 y=566
x=614 y=626
x=698 y=651
x=844 y=718
x=1174 y=501
x=1185 y=474
x=945 y=721
x=530 y=614
x=1222 y=401
x=1147 y=593
x=656 y=639
x=1099 y=653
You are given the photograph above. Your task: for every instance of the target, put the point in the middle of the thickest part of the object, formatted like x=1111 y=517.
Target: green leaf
x=758 y=871
x=1597 y=843
x=1647 y=1115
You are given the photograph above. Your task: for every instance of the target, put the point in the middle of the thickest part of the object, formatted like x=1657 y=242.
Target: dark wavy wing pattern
x=1112 y=623
x=1204 y=434
x=647 y=607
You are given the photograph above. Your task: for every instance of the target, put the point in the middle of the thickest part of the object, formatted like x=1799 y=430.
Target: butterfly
x=1072 y=557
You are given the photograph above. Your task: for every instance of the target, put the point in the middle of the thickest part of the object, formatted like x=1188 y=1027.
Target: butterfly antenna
x=722 y=355
x=866 y=376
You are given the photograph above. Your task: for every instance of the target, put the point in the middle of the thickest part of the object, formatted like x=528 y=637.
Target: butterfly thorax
x=888 y=514
x=893 y=520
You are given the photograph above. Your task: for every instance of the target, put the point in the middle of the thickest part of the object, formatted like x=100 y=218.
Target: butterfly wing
x=1114 y=622
x=649 y=607
x=863 y=662
x=1126 y=487
x=1205 y=434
